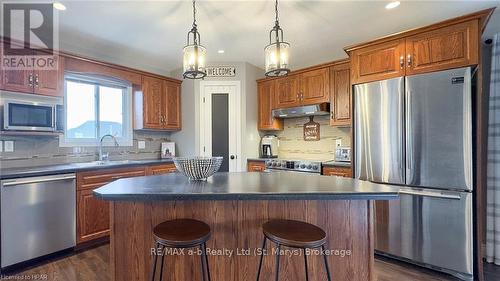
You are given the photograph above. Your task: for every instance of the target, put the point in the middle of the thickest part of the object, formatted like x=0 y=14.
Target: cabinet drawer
x=338 y=171
x=97 y=178
x=161 y=169
x=256 y=166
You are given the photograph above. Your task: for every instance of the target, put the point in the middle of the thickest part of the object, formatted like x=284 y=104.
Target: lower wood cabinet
x=92 y=214
x=161 y=169
x=337 y=171
x=256 y=166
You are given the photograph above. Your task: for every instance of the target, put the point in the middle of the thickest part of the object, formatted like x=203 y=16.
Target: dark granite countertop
x=12 y=173
x=245 y=186
x=334 y=163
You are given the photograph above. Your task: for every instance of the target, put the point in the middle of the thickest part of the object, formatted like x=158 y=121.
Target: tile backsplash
x=293 y=146
x=30 y=151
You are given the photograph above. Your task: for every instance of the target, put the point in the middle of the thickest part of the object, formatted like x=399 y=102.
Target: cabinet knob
x=36 y=80
x=401 y=62
x=30 y=80
x=409 y=60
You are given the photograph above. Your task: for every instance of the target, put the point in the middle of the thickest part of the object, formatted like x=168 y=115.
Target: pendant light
x=277 y=52
x=194 y=53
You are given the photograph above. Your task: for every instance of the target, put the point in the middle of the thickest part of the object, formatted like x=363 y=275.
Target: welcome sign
x=221 y=71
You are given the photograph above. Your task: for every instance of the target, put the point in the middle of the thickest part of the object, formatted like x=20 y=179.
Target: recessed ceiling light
x=392 y=5
x=59 y=6
x=221 y=51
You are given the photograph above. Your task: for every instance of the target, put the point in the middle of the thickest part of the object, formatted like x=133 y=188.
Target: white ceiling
x=150 y=34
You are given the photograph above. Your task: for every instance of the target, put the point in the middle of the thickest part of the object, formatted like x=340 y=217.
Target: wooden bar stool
x=182 y=233
x=294 y=234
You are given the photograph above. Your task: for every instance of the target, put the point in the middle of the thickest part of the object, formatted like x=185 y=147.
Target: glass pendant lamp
x=194 y=53
x=277 y=52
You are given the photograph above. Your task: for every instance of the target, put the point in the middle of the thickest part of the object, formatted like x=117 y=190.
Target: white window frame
x=99 y=80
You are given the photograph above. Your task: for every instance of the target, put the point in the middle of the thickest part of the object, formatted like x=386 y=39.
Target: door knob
x=232 y=157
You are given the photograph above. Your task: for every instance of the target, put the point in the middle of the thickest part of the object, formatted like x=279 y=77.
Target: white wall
x=187 y=140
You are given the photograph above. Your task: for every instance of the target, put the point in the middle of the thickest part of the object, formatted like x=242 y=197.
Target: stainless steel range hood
x=306 y=110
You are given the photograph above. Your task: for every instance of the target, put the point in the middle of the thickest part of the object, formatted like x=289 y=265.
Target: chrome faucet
x=105 y=156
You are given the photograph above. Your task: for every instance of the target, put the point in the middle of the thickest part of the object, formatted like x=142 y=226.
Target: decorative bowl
x=198 y=168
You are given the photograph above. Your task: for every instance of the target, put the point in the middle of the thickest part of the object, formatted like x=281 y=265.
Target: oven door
x=25 y=116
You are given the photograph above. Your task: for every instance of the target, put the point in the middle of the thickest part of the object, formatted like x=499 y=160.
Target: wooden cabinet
x=378 y=62
x=337 y=171
x=256 y=166
x=157 y=105
x=172 y=106
x=265 y=101
x=93 y=214
x=161 y=169
x=439 y=47
x=153 y=107
x=314 y=86
x=32 y=80
x=308 y=87
x=50 y=82
x=445 y=48
x=287 y=92
x=341 y=96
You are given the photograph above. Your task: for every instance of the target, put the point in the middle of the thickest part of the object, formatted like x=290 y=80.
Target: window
x=96 y=106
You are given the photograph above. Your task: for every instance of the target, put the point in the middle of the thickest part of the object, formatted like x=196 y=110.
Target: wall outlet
x=141 y=144
x=1 y=146
x=9 y=146
x=338 y=142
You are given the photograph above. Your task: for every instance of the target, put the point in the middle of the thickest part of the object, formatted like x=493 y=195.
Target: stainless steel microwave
x=32 y=116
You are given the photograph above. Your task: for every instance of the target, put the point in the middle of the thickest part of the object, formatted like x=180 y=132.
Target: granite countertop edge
x=244 y=186
x=246 y=196
x=12 y=173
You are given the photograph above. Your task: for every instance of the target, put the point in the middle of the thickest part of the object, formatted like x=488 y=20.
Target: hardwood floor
x=93 y=265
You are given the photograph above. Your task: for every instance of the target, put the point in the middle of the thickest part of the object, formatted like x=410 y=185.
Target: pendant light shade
x=277 y=52
x=194 y=53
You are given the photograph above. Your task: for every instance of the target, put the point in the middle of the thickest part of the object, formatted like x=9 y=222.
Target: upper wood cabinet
x=341 y=98
x=287 y=92
x=265 y=101
x=33 y=80
x=314 y=86
x=153 y=108
x=308 y=87
x=172 y=104
x=378 y=62
x=440 y=47
x=157 y=105
x=445 y=48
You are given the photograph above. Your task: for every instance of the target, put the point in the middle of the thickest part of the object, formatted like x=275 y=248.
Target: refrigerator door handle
x=409 y=149
x=433 y=194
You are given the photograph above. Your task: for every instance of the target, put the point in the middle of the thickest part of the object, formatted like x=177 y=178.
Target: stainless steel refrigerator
x=416 y=131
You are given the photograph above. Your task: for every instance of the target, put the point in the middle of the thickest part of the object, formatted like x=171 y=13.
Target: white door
x=220 y=123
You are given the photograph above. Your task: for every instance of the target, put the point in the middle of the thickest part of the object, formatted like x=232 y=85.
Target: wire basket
x=198 y=168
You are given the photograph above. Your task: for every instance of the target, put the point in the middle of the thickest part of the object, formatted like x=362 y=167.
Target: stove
x=293 y=165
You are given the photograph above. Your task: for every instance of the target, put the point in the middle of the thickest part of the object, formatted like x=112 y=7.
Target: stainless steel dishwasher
x=37 y=217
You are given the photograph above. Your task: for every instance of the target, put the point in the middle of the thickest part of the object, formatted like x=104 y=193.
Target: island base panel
x=236 y=227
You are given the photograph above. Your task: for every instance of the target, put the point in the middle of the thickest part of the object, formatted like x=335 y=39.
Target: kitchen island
x=235 y=205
